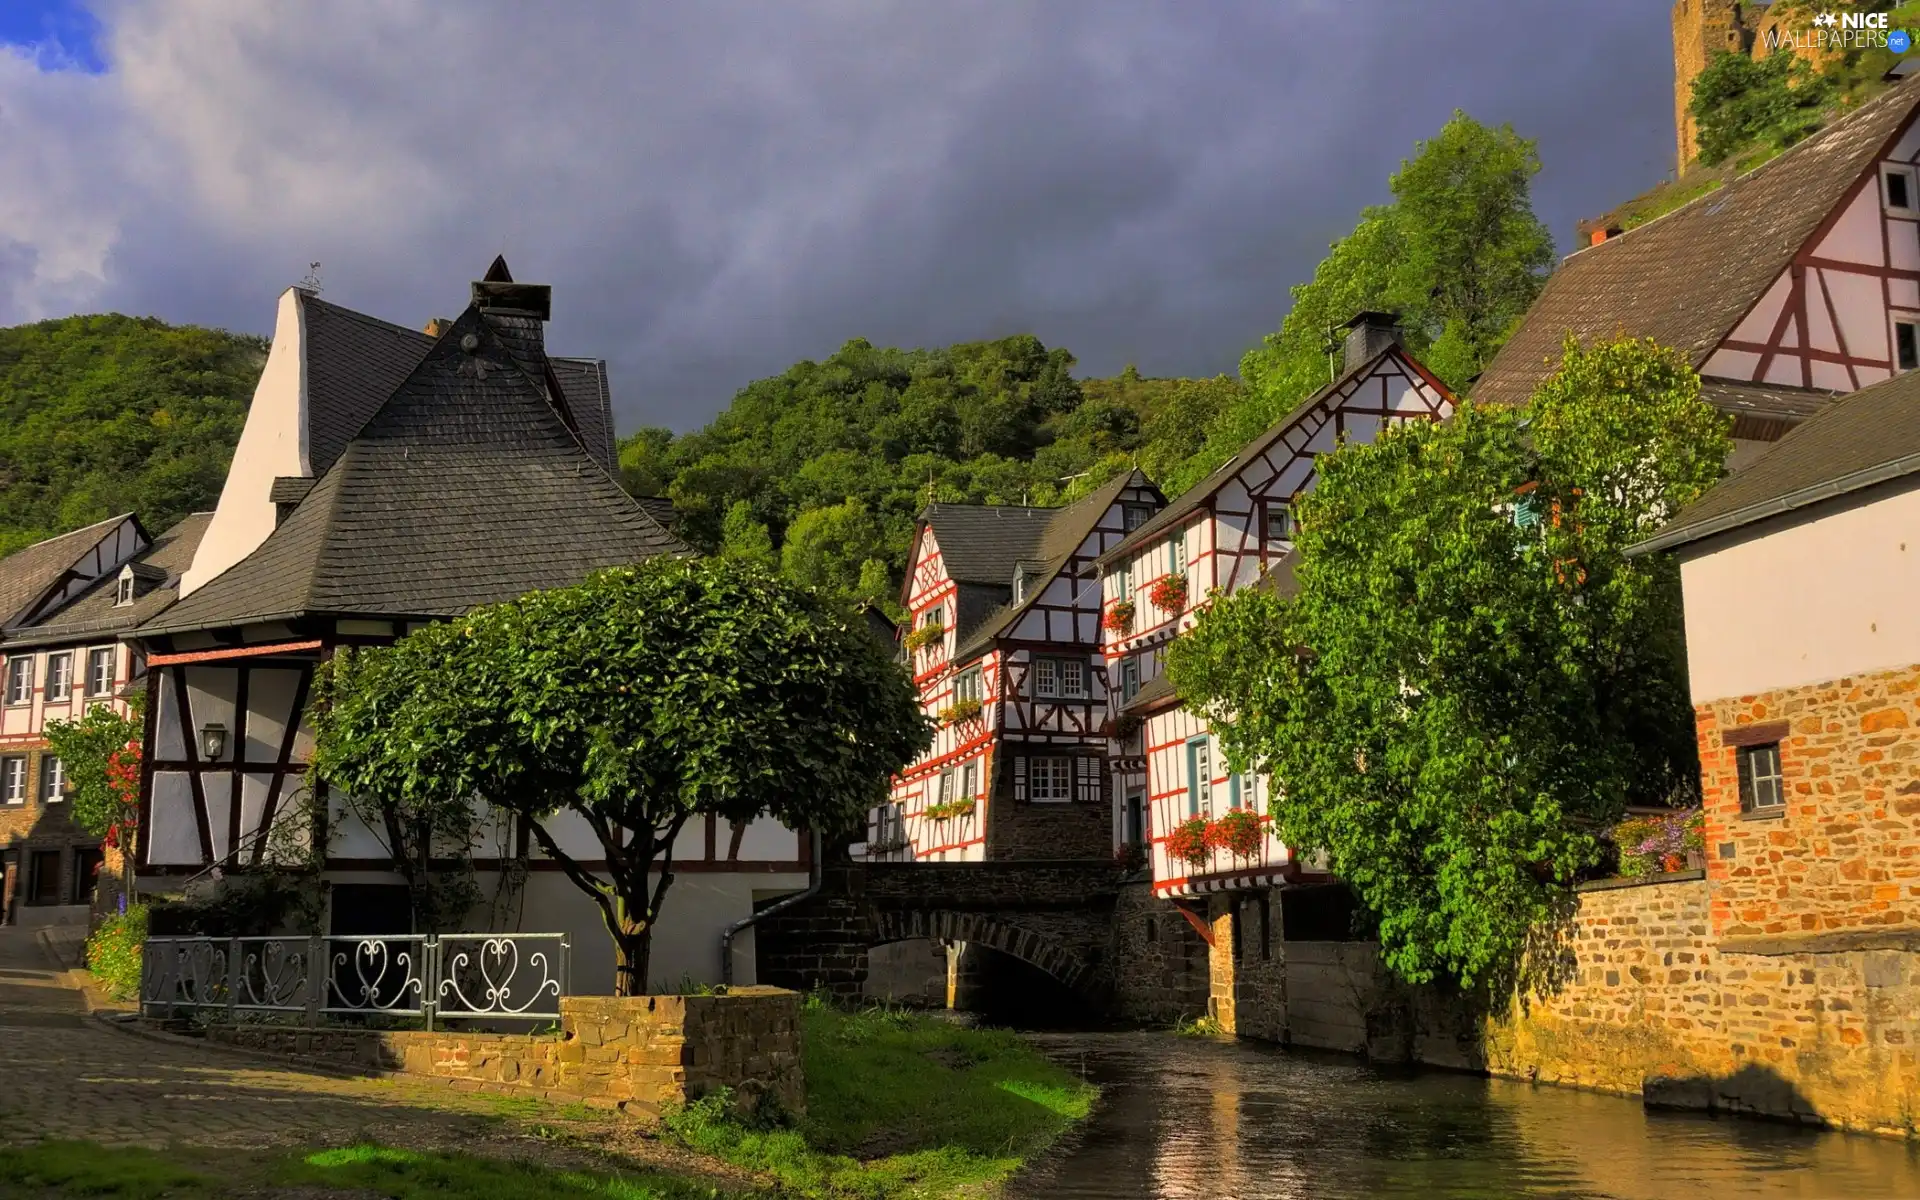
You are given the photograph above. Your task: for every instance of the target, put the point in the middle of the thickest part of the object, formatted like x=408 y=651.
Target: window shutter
x=1089 y=771
x=1020 y=777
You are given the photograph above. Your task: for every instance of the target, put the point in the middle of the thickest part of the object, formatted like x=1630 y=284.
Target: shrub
x=1659 y=843
x=113 y=952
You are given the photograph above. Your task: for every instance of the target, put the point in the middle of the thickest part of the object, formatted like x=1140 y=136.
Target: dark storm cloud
x=718 y=190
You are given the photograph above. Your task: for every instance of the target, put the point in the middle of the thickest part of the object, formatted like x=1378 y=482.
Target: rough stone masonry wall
x=634 y=1053
x=1656 y=1007
x=1160 y=963
x=1843 y=855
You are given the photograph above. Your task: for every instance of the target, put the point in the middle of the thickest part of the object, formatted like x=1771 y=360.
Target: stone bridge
x=1054 y=915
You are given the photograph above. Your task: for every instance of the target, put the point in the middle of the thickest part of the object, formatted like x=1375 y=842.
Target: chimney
x=518 y=313
x=1601 y=234
x=436 y=327
x=499 y=295
x=1369 y=333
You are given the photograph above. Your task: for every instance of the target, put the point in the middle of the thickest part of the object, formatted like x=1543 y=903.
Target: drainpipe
x=812 y=889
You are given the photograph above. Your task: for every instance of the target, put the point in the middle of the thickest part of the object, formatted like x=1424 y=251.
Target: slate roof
x=1868 y=437
x=354 y=362
x=1197 y=495
x=1153 y=694
x=465 y=488
x=1687 y=278
x=1064 y=531
x=28 y=573
x=94 y=612
x=982 y=543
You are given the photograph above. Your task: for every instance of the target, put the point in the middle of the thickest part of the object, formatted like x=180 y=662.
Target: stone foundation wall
x=1160 y=963
x=636 y=1054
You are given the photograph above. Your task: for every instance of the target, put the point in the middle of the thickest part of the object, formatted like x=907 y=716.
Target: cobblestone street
x=68 y=1075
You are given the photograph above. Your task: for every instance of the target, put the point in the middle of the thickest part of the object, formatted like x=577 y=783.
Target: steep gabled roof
x=96 y=611
x=983 y=543
x=465 y=488
x=1870 y=436
x=28 y=574
x=1191 y=499
x=1687 y=278
x=354 y=362
x=1063 y=533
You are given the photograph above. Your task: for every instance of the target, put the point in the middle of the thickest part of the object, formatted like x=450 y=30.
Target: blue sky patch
x=60 y=34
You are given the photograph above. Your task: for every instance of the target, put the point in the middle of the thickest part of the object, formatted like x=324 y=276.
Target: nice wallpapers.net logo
x=1842 y=31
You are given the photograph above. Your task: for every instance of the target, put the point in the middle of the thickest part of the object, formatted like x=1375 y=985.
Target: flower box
x=1169 y=593
x=1188 y=842
x=960 y=710
x=951 y=809
x=1119 y=618
x=1240 y=832
x=925 y=636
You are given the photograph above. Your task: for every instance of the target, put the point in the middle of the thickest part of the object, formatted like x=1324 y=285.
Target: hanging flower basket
x=1119 y=618
x=951 y=809
x=925 y=636
x=1188 y=842
x=960 y=710
x=1169 y=593
x=1240 y=832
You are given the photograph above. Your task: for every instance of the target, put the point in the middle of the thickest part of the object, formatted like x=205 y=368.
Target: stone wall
x=1843 y=854
x=46 y=830
x=1160 y=963
x=636 y=1053
x=1022 y=830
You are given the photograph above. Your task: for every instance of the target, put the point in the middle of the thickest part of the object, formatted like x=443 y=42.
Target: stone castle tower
x=1701 y=27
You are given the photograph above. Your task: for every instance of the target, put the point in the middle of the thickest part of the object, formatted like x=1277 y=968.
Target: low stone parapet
x=636 y=1053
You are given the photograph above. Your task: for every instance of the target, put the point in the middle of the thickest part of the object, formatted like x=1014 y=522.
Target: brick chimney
x=1601 y=234
x=1368 y=333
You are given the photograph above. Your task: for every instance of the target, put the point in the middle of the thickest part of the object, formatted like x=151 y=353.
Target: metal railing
x=435 y=977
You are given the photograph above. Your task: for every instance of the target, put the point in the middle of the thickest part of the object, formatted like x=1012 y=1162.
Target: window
x=943 y=787
x=1133 y=516
x=1760 y=778
x=86 y=875
x=1177 y=553
x=1136 y=834
x=967 y=686
x=46 y=877
x=100 y=671
x=1060 y=678
x=124 y=594
x=1236 y=793
x=1279 y=521
x=59 y=676
x=1129 y=678
x=969 y=781
x=13 y=780
x=1050 y=780
x=1199 y=778
x=1906 y=344
x=1123 y=581
x=1899 y=189
x=53 y=779
x=20 y=679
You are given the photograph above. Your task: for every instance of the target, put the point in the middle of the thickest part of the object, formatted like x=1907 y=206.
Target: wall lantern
x=213 y=740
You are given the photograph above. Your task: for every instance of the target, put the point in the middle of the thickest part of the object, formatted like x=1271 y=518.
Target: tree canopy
x=1472 y=678
x=108 y=414
x=632 y=703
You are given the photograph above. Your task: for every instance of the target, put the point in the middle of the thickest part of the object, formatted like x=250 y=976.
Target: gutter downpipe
x=815 y=878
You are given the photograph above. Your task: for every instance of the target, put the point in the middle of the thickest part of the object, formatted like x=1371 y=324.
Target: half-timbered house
x=1233 y=529
x=386 y=479
x=1003 y=640
x=1796 y=282
x=64 y=603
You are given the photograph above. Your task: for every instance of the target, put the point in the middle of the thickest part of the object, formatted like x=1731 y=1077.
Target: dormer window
x=1279 y=521
x=123 y=589
x=1897 y=189
x=1906 y=344
x=1133 y=516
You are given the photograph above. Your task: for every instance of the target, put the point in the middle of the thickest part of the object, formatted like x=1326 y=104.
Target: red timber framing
x=1040 y=681
x=1831 y=320
x=1228 y=533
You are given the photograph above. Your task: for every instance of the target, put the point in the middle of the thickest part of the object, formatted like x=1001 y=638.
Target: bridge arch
x=945 y=925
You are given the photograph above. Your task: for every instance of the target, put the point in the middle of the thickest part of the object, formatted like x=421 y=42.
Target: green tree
x=100 y=754
x=636 y=701
x=1459 y=255
x=745 y=539
x=1473 y=679
x=108 y=414
x=1739 y=102
x=830 y=548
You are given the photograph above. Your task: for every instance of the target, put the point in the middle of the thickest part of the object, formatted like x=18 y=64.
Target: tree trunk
x=633 y=951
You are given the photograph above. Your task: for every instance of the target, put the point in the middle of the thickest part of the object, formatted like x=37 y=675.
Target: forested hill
x=108 y=414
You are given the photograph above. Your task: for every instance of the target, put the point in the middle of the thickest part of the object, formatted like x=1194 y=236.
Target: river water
x=1191 y=1117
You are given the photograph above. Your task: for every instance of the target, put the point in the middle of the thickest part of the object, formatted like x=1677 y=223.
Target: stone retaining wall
x=637 y=1053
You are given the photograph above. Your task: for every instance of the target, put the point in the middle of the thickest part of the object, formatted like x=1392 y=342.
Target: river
x=1191 y=1117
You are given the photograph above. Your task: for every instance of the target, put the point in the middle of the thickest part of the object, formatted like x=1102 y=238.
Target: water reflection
x=1186 y=1118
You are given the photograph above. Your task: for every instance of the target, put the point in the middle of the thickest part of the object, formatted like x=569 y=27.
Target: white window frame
x=1129 y=677
x=123 y=590
x=1050 y=779
x=970 y=684
x=1761 y=791
x=1133 y=516
x=53 y=779
x=1887 y=172
x=62 y=680
x=1283 y=509
x=13 y=779
x=1123 y=581
x=1046 y=678
x=20 y=679
x=969 y=781
x=1177 y=552
x=1199 y=777
x=95 y=685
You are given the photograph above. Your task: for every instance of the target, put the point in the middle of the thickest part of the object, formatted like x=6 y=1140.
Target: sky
x=718 y=190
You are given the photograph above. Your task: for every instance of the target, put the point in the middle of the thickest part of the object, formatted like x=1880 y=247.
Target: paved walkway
x=64 y=1074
